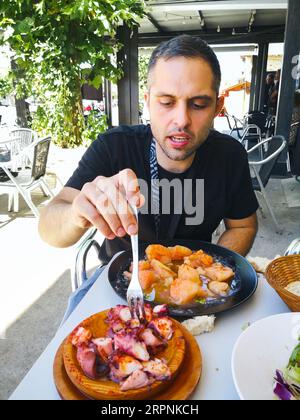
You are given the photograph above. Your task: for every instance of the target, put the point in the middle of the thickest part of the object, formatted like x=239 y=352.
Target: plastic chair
x=25 y=137
x=262 y=169
x=28 y=179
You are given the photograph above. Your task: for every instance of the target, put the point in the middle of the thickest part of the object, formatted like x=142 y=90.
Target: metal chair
x=262 y=169
x=255 y=130
x=258 y=118
x=78 y=271
x=252 y=133
x=235 y=124
x=28 y=179
x=293 y=248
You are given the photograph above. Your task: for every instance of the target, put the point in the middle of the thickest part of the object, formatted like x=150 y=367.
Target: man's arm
x=55 y=225
x=240 y=234
x=103 y=203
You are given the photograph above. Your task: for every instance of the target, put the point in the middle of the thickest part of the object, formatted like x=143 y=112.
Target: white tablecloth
x=216 y=381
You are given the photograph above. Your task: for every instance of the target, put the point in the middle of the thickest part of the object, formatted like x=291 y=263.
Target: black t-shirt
x=220 y=161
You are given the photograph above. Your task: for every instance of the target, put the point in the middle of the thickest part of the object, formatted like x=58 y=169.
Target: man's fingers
x=88 y=215
x=127 y=181
x=124 y=211
x=110 y=214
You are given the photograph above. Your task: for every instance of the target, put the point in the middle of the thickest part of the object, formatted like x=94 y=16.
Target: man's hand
x=105 y=204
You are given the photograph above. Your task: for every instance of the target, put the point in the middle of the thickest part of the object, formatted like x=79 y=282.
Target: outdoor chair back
x=235 y=125
x=24 y=137
x=262 y=169
x=79 y=270
x=295 y=152
x=276 y=145
x=257 y=118
x=293 y=248
x=28 y=179
x=40 y=158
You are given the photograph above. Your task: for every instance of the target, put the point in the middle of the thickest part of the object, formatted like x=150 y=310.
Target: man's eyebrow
x=206 y=98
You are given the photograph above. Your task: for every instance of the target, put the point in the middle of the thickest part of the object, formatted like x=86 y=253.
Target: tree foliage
x=60 y=44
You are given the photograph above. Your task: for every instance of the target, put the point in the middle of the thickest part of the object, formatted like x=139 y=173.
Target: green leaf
x=51 y=41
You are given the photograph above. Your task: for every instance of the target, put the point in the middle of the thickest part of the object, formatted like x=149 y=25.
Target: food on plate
x=217 y=272
x=287 y=383
x=179 y=276
x=200 y=324
x=199 y=259
x=294 y=288
x=218 y=288
x=129 y=353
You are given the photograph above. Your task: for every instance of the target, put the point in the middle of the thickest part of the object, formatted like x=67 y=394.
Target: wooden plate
x=179 y=389
x=109 y=390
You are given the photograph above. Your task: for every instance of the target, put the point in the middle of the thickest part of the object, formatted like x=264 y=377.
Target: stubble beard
x=175 y=156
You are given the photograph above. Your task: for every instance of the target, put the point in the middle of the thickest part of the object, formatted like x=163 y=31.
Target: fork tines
x=137 y=309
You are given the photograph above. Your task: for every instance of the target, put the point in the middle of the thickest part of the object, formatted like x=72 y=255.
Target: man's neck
x=175 y=166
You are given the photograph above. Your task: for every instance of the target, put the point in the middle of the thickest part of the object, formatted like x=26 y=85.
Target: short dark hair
x=189 y=47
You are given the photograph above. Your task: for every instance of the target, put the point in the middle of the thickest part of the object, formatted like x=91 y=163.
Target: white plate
x=264 y=347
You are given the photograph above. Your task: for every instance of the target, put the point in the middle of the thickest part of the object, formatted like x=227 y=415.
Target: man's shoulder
x=124 y=132
x=225 y=143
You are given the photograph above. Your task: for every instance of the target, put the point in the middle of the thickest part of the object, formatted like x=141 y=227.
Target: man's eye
x=166 y=103
x=197 y=106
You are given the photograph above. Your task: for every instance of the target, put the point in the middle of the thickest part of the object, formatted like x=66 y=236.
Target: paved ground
x=35 y=278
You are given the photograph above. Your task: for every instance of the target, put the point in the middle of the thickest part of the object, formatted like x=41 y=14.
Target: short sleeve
x=241 y=198
x=95 y=162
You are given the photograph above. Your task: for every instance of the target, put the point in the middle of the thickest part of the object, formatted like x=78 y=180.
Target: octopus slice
x=80 y=336
x=158 y=369
x=138 y=379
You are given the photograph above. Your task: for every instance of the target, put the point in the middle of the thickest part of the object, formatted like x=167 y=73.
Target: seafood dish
x=124 y=351
x=178 y=276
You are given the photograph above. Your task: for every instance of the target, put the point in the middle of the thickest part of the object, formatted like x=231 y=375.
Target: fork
x=135 y=297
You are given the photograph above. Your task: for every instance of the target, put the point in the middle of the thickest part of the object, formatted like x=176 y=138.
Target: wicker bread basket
x=282 y=272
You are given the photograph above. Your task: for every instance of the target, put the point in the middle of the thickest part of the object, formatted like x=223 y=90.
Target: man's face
x=182 y=104
x=270 y=80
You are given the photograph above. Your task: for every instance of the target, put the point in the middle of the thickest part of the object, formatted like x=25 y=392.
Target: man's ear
x=147 y=98
x=219 y=105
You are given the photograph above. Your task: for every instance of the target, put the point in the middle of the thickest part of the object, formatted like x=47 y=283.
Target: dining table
x=216 y=381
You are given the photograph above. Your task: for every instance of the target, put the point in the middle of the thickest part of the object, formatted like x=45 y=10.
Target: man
x=275 y=93
x=183 y=86
x=268 y=91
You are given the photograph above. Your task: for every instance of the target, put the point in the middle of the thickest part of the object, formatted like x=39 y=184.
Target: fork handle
x=135 y=254
x=135 y=247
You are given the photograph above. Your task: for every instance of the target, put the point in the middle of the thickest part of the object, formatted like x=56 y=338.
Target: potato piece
x=186 y=272
x=184 y=291
x=219 y=288
x=199 y=259
x=147 y=278
x=159 y=253
x=162 y=270
x=219 y=272
x=179 y=252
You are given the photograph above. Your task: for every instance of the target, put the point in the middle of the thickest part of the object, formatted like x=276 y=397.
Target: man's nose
x=181 y=116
